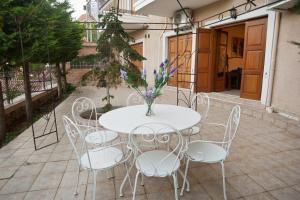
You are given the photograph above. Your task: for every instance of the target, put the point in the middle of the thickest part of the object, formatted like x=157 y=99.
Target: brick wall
x=87 y=49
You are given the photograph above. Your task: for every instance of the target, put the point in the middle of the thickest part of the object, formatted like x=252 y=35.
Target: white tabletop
x=123 y=120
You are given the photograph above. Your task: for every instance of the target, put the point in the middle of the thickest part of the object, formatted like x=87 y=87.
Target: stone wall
x=16 y=113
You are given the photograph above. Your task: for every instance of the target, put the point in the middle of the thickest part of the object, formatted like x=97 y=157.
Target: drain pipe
x=273 y=63
x=161 y=42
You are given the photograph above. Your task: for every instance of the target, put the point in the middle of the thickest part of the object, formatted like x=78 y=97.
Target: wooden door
x=221 y=62
x=139 y=48
x=206 y=45
x=254 y=51
x=184 y=43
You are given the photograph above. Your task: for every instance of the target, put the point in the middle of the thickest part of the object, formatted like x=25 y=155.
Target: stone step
x=254 y=109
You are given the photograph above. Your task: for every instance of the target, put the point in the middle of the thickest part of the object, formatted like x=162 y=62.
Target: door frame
x=165 y=38
x=142 y=40
x=269 y=41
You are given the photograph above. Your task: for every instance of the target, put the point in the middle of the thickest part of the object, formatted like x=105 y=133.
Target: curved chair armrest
x=214 y=124
x=86 y=126
x=208 y=141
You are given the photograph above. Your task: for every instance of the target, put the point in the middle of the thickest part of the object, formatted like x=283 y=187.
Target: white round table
x=124 y=120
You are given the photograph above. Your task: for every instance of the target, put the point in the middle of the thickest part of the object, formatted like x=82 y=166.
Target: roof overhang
x=282 y=5
x=134 y=22
x=167 y=8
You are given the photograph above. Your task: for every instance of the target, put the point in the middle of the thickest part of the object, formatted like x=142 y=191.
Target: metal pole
x=177 y=71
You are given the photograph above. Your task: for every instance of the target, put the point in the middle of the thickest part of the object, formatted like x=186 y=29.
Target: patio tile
x=72 y=165
x=62 y=147
x=261 y=196
x=127 y=192
x=6 y=153
x=104 y=191
x=231 y=169
x=45 y=150
x=66 y=155
x=40 y=195
x=67 y=193
x=206 y=172
x=7 y=172
x=267 y=180
x=47 y=181
x=214 y=189
x=286 y=175
x=54 y=167
x=196 y=192
x=137 y=197
x=18 y=184
x=24 y=152
x=13 y=145
x=102 y=176
x=161 y=196
x=3 y=182
x=17 y=196
x=70 y=179
x=155 y=185
x=297 y=187
x=245 y=185
x=29 y=170
x=286 y=194
x=38 y=158
x=14 y=161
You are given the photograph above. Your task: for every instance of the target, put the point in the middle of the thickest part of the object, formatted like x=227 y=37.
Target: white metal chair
x=98 y=159
x=199 y=101
x=93 y=134
x=152 y=152
x=214 y=151
x=134 y=99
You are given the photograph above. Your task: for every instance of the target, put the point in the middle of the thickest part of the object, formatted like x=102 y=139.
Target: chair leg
x=185 y=178
x=95 y=184
x=127 y=176
x=135 y=184
x=77 y=183
x=110 y=174
x=175 y=185
x=224 y=186
x=142 y=181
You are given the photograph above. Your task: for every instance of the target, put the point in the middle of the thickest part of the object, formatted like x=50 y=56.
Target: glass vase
x=149 y=103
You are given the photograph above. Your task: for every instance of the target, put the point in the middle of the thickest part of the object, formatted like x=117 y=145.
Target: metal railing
x=13 y=83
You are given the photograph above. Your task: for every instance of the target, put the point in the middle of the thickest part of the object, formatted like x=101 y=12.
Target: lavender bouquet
x=161 y=78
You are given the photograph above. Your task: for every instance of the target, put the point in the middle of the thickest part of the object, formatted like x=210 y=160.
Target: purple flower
x=161 y=68
x=161 y=64
x=144 y=72
x=172 y=71
x=148 y=93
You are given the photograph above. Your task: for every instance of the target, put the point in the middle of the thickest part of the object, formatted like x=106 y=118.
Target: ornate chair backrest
x=158 y=136
x=185 y=97
x=201 y=103
x=76 y=139
x=231 y=127
x=81 y=105
x=134 y=99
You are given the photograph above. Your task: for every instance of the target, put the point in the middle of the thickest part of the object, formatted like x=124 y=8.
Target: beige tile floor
x=264 y=164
